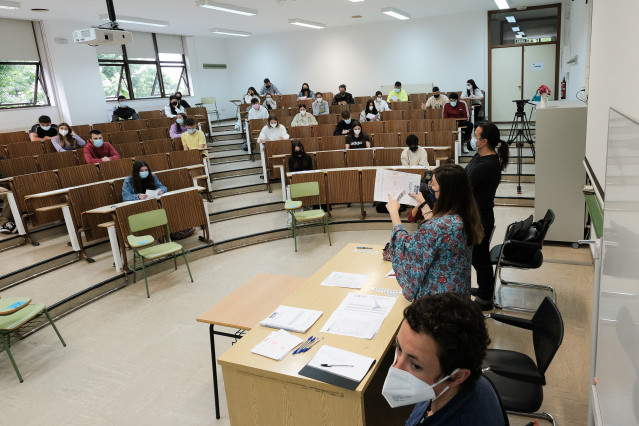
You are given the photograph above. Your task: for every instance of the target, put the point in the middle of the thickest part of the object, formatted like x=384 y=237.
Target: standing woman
x=370 y=112
x=66 y=140
x=437 y=257
x=179 y=126
x=484 y=171
x=141 y=180
x=173 y=107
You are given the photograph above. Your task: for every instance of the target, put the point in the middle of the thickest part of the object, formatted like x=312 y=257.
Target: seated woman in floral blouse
x=437 y=257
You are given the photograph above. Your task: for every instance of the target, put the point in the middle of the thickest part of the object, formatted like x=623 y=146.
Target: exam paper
x=346 y=364
x=277 y=344
x=152 y=193
x=394 y=183
x=345 y=279
x=359 y=315
x=291 y=319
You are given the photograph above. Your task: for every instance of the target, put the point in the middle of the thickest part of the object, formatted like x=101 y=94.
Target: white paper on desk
x=391 y=274
x=289 y=318
x=152 y=193
x=277 y=344
x=359 y=315
x=371 y=116
x=345 y=279
x=393 y=183
x=394 y=98
x=334 y=356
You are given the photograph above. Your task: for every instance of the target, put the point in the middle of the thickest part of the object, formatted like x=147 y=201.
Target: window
x=153 y=66
x=22 y=81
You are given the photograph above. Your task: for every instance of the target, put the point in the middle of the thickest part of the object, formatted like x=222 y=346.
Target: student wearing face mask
x=320 y=106
x=343 y=127
x=473 y=92
x=140 y=181
x=269 y=102
x=183 y=103
x=305 y=93
x=98 y=151
x=269 y=88
x=250 y=94
x=300 y=160
x=356 y=139
x=273 y=131
x=380 y=103
x=343 y=97
x=179 y=127
x=437 y=101
x=192 y=138
x=437 y=257
x=369 y=113
x=123 y=111
x=439 y=351
x=173 y=107
x=414 y=155
x=303 y=118
x=66 y=139
x=256 y=110
x=458 y=109
x=397 y=94
x=43 y=130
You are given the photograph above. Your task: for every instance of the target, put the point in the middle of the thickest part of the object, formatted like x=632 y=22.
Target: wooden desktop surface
x=261 y=391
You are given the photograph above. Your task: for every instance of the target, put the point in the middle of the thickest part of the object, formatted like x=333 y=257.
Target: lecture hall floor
x=133 y=360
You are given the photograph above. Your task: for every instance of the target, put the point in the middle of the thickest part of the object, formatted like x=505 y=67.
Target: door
x=506 y=82
x=539 y=68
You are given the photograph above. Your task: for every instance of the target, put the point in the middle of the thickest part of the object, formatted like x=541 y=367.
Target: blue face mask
x=347 y=121
x=122 y=104
x=45 y=128
x=398 y=90
x=144 y=175
x=453 y=103
x=473 y=144
x=191 y=131
x=432 y=196
x=98 y=143
x=179 y=121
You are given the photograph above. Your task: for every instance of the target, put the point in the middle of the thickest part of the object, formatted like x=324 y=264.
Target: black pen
x=335 y=365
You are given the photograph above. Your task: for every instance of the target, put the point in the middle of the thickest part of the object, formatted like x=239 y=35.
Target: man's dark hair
x=318 y=93
x=458 y=327
x=189 y=122
x=346 y=114
x=378 y=93
x=121 y=97
x=435 y=89
x=95 y=132
x=453 y=96
x=342 y=85
x=266 y=80
x=44 y=119
x=255 y=101
x=398 y=83
x=412 y=140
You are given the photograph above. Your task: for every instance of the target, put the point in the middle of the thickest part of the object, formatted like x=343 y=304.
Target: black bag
x=526 y=231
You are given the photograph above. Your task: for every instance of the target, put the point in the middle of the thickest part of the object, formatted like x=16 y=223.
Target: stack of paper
x=359 y=315
x=152 y=193
x=338 y=367
x=345 y=279
x=396 y=184
x=292 y=319
x=276 y=345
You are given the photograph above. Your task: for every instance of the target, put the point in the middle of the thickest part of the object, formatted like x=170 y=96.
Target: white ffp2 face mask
x=402 y=388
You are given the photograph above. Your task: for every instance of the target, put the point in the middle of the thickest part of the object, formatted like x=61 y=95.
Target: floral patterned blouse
x=435 y=259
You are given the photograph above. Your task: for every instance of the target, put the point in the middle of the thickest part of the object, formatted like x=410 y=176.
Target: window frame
x=158 y=84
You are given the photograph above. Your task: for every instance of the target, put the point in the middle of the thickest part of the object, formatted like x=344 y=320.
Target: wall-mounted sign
x=537 y=66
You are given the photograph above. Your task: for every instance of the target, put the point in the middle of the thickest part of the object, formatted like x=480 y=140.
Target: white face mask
x=379 y=99
x=370 y=108
x=357 y=132
x=303 y=112
x=402 y=388
x=273 y=125
x=64 y=132
x=469 y=87
x=319 y=100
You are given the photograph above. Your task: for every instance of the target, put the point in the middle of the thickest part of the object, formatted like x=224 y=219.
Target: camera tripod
x=519 y=135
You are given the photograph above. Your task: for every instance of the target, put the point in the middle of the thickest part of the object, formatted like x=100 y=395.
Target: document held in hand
x=396 y=184
x=289 y=318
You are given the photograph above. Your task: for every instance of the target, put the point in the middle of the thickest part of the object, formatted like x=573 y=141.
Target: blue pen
x=310 y=346
x=298 y=350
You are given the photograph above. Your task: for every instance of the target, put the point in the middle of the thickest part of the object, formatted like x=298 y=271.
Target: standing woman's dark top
x=484 y=171
x=300 y=160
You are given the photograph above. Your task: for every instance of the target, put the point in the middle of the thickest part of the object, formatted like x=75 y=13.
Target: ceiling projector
x=101 y=37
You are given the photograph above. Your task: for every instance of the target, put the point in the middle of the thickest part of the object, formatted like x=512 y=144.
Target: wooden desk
x=262 y=391
x=244 y=309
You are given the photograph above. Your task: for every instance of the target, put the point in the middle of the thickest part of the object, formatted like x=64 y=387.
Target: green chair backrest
x=146 y=220
x=209 y=101
x=305 y=189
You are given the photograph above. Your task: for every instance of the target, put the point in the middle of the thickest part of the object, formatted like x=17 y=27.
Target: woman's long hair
x=306 y=92
x=68 y=140
x=472 y=83
x=173 y=110
x=252 y=89
x=141 y=185
x=367 y=111
x=456 y=197
x=181 y=127
x=490 y=132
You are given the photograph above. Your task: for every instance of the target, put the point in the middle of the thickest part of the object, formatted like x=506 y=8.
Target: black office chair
x=518 y=380
x=534 y=261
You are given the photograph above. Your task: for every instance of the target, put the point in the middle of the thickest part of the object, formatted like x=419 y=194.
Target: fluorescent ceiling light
x=223 y=7
x=230 y=32
x=395 y=13
x=9 y=5
x=502 y=4
x=510 y=19
x=132 y=20
x=521 y=33
x=516 y=29
x=308 y=24
x=518 y=36
x=355 y=1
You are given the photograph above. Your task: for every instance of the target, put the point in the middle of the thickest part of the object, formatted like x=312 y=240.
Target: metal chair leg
x=6 y=348
x=146 y=282
x=135 y=267
x=186 y=262
x=54 y=327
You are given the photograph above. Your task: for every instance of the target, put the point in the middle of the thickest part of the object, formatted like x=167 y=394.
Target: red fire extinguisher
x=563 y=88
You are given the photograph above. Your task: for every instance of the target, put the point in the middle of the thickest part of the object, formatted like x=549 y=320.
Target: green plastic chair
x=142 y=246
x=22 y=313
x=210 y=110
x=306 y=189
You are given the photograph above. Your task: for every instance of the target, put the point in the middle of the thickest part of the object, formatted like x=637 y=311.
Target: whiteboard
x=617 y=360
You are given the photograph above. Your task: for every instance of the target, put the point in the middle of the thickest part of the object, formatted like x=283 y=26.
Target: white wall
x=578 y=24
x=364 y=57
x=613 y=74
